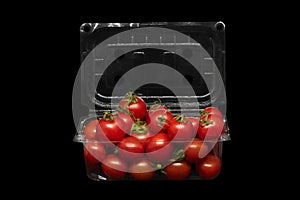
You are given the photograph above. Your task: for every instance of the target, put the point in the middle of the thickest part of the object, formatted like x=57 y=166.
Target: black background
x=54 y=162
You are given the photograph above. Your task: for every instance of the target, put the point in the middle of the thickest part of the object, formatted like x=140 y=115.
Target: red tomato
x=128 y=121
x=134 y=106
x=114 y=167
x=89 y=130
x=195 y=150
x=94 y=153
x=181 y=129
x=211 y=110
x=210 y=127
x=159 y=148
x=159 y=120
x=179 y=170
x=109 y=129
x=195 y=122
x=130 y=149
x=140 y=131
x=143 y=169
x=209 y=167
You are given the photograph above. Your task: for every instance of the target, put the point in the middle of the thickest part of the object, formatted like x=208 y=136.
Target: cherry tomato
x=178 y=170
x=210 y=127
x=128 y=122
x=140 y=131
x=211 y=110
x=159 y=149
x=195 y=150
x=143 y=169
x=109 y=129
x=209 y=167
x=94 y=153
x=195 y=122
x=133 y=105
x=114 y=167
x=181 y=129
x=158 y=120
x=130 y=149
x=89 y=130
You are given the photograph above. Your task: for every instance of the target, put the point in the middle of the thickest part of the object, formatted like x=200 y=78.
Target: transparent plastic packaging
x=175 y=67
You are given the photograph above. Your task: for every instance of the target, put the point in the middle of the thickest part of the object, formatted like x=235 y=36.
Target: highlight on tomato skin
x=195 y=123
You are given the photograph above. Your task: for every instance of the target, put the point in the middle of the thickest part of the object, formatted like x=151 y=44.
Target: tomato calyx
x=116 y=150
x=204 y=120
x=108 y=116
x=123 y=109
x=162 y=120
x=131 y=98
x=139 y=127
x=154 y=107
x=160 y=168
x=181 y=118
x=178 y=156
x=204 y=113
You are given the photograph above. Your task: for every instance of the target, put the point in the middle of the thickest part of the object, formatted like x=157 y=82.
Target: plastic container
x=178 y=65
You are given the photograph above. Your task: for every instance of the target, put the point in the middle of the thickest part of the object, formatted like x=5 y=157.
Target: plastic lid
x=182 y=64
